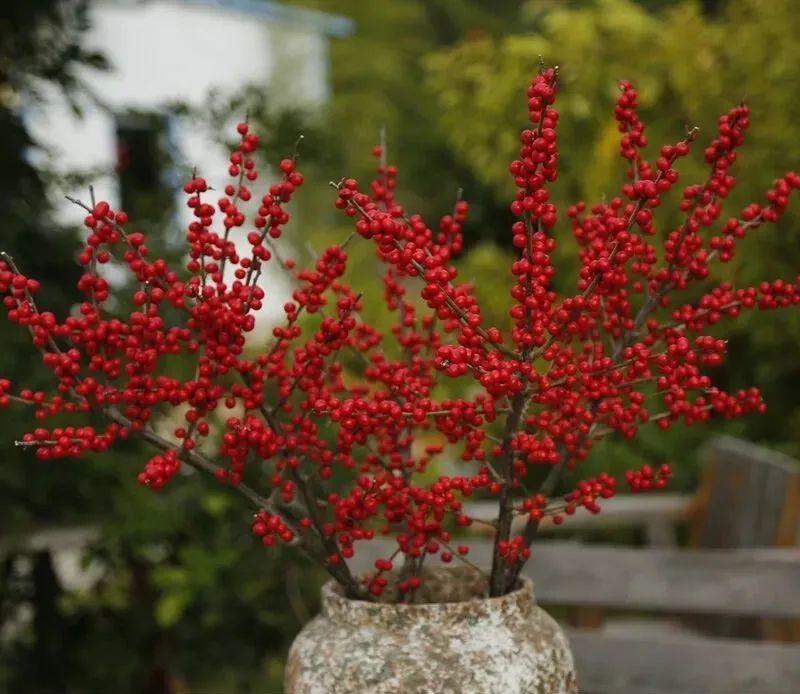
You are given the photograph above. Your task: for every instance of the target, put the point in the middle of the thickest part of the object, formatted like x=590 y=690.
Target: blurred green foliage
x=186 y=599
x=379 y=82
x=747 y=51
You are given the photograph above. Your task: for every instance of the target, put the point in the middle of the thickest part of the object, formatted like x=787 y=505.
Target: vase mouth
x=451 y=593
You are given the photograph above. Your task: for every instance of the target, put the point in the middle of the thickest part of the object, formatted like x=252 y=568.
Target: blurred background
x=105 y=586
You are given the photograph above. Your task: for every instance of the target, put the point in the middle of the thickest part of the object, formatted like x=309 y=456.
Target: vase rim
x=474 y=604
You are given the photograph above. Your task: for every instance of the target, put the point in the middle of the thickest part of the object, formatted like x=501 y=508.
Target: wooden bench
x=709 y=583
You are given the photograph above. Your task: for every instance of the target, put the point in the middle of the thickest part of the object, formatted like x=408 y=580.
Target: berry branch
x=335 y=454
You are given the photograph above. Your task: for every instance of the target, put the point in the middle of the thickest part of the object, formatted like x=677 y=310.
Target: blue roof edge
x=331 y=24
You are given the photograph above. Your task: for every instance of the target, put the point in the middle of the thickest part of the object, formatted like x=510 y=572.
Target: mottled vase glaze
x=453 y=640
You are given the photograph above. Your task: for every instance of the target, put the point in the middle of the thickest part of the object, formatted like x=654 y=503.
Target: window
x=144 y=164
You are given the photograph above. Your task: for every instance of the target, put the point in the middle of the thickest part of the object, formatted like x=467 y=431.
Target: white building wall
x=168 y=51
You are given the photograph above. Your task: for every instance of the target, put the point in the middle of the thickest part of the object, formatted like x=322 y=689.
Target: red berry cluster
x=336 y=432
x=633 y=139
x=271 y=529
x=160 y=469
x=585 y=495
x=647 y=479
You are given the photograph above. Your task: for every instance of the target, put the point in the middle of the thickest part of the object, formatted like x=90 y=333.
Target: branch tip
x=296 y=153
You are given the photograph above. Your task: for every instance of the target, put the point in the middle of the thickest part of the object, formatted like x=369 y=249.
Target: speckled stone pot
x=453 y=640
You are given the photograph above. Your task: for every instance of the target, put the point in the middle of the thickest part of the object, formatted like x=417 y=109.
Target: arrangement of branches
x=331 y=458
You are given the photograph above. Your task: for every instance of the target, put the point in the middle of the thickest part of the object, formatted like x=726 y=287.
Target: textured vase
x=453 y=640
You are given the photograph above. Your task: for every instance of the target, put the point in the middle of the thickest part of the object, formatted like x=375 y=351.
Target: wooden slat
x=610 y=663
x=753 y=582
x=623 y=510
